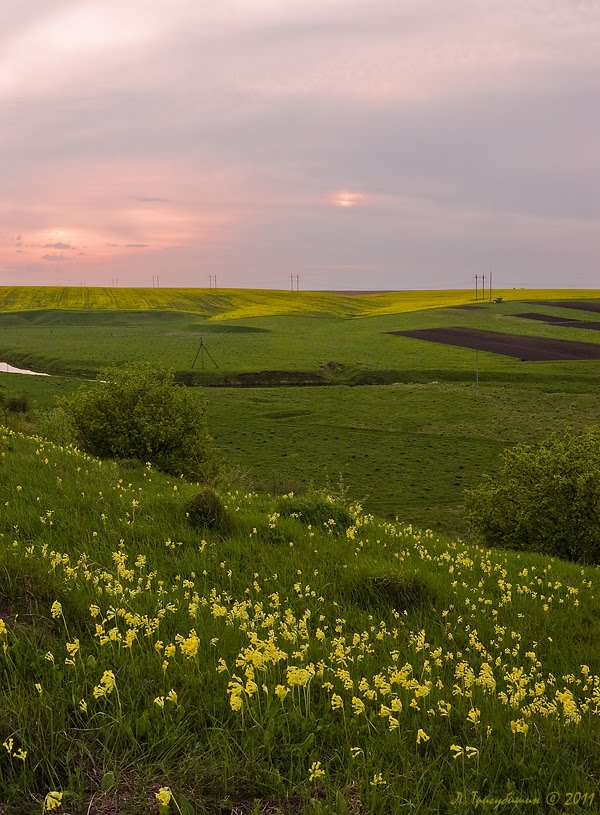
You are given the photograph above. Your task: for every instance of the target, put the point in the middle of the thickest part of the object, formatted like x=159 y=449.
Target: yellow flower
x=164 y=796
x=172 y=696
x=358 y=706
x=422 y=736
x=83 y=705
x=519 y=726
x=160 y=701
x=20 y=754
x=2 y=626
x=472 y=752
x=337 y=703
x=53 y=800
x=8 y=744
x=281 y=691
x=457 y=750
x=315 y=771
x=378 y=780
x=56 y=611
x=106 y=686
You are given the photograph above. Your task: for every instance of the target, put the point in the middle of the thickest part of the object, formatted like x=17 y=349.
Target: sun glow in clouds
x=344 y=198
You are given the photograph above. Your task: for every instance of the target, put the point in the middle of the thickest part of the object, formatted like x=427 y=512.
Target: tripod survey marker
x=202 y=350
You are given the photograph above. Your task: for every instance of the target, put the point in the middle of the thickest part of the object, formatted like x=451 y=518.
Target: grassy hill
x=407 y=447
x=302 y=658
x=233 y=304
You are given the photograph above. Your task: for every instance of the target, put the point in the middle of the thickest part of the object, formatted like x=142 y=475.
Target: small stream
x=5 y=368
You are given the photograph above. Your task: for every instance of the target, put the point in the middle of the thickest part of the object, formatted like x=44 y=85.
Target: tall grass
x=346 y=667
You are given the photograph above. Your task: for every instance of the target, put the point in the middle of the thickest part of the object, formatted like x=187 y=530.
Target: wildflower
x=358 y=706
x=422 y=736
x=56 y=609
x=2 y=626
x=53 y=800
x=172 y=696
x=164 y=796
x=457 y=750
x=378 y=780
x=8 y=744
x=281 y=691
x=315 y=771
x=20 y=754
x=472 y=752
x=83 y=705
x=106 y=686
x=473 y=715
x=337 y=703
x=519 y=726
x=160 y=701
x=38 y=688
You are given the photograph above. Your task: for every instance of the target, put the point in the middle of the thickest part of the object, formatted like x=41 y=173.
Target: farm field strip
x=522 y=347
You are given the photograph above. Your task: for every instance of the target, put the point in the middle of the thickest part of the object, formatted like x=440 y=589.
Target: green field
x=407 y=445
x=302 y=658
x=278 y=664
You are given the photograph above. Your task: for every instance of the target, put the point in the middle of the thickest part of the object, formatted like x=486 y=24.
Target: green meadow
x=337 y=642
x=302 y=657
x=405 y=424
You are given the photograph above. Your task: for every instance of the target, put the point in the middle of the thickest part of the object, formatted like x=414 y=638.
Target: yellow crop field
x=234 y=304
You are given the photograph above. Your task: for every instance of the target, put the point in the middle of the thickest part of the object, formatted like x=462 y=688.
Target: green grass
x=408 y=447
x=339 y=625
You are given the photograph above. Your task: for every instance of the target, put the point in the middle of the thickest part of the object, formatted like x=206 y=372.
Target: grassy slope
x=409 y=449
x=412 y=633
x=232 y=304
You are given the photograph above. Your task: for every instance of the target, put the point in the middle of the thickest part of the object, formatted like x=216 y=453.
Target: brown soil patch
x=580 y=305
x=564 y=321
x=528 y=349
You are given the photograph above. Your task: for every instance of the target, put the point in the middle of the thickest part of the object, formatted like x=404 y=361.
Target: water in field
x=5 y=368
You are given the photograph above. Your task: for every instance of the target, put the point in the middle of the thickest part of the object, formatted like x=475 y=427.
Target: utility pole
x=476 y=292
x=483 y=287
x=491 y=287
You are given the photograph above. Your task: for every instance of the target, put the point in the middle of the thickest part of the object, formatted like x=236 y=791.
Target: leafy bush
x=135 y=411
x=17 y=403
x=206 y=510
x=547 y=499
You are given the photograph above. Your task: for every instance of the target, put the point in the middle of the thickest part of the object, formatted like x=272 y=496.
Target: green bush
x=136 y=412
x=546 y=500
x=206 y=510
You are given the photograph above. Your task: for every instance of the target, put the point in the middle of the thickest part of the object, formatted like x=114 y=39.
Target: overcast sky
x=360 y=144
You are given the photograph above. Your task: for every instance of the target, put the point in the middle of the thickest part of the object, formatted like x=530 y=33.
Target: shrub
x=546 y=500
x=17 y=403
x=206 y=510
x=136 y=411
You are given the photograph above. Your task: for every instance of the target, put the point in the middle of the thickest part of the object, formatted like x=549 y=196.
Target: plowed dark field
x=580 y=305
x=528 y=349
x=563 y=321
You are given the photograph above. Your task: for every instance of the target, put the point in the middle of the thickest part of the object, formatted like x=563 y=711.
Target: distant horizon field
x=228 y=304
x=439 y=417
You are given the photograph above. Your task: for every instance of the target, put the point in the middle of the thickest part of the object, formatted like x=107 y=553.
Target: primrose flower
x=457 y=750
x=106 y=686
x=281 y=691
x=378 y=780
x=422 y=736
x=315 y=771
x=2 y=626
x=164 y=796
x=56 y=609
x=53 y=800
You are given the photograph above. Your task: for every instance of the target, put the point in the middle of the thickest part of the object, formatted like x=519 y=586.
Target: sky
x=356 y=144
